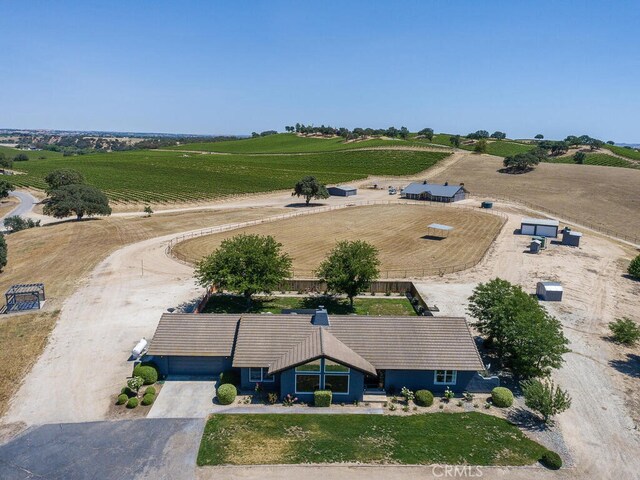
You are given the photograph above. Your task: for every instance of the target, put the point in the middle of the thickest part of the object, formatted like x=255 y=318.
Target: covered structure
x=439 y=230
x=571 y=238
x=342 y=191
x=434 y=192
x=27 y=296
x=549 y=291
x=542 y=227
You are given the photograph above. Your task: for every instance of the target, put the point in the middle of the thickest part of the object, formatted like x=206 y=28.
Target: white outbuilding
x=541 y=227
x=549 y=291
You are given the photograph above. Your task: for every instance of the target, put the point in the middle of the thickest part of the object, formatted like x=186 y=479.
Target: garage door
x=544 y=231
x=527 y=229
x=204 y=366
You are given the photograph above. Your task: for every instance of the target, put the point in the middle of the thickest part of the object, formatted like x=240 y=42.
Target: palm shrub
x=545 y=398
x=634 y=268
x=424 y=398
x=226 y=394
x=502 y=397
x=625 y=331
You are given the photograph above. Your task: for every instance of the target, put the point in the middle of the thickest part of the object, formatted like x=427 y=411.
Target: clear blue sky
x=548 y=67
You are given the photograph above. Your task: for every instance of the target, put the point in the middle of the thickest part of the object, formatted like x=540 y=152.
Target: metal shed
x=549 y=291
x=535 y=246
x=542 y=227
x=27 y=296
x=342 y=191
x=571 y=238
x=438 y=230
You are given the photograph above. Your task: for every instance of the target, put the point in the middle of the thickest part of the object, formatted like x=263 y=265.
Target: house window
x=338 y=384
x=445 y=377
x=259 y=374
x=313 y=366
x=307 y=383
x=330 y=366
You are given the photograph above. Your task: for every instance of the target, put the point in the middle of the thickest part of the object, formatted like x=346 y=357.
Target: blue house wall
x=247 y=385
x=424 y=379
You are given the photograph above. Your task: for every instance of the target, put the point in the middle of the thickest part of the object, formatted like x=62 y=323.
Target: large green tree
x=245 y=264
x=455 y=140
x=3 y=252
x=579 y=157
x=634 y=268
x=350 y=268
x=80 y=200
x=4 y=161
x=62 y=177
x=5 y=188
x=521 y=162
x=426 y=133
x=309 y=187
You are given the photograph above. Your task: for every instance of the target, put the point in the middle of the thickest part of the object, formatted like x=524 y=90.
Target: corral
x=399 y=231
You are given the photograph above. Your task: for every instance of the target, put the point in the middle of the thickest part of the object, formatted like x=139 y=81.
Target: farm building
x=342 y=191
x=434 y=192
x=549 y=291
x=301 y=353
x=21 y=297
x=542 y=227
x=571 y=238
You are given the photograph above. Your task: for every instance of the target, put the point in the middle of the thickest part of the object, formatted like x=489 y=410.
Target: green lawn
x=450 y=438
x=602 y=159
x=165 y=176
x=383 y=306
x=624 y=152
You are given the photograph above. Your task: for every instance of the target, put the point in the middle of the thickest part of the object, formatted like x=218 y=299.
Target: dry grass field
x=60 y=255
x=606 y=197
x=398 y=231
x=7 y=204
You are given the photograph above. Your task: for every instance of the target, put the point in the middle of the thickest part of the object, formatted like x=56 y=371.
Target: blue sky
x=233 y=67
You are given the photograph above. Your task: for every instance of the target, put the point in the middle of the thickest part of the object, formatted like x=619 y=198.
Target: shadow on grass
x=226 y=303
x=334 y=306
x=630 y=366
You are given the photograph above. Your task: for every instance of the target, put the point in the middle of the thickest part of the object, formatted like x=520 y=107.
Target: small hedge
x=424 y=398
x=226 y=394
x=551 y=460
x=502 y=397
x=150 y=390
x=148 y=399
x=128 y=392
x=148 y=373
x=132 y=403
x=230 y=376
x=122 y=399
x=322 y=398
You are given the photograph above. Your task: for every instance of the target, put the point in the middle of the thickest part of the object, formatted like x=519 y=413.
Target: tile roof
x=321 y=343
x=195 y=335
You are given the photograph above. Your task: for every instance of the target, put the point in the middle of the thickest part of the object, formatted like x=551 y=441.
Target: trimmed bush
x=230 y=376
x=634 y=268
x=226 y=394
x=122 y=399
x=128 y=392
x=551 y=460
x=148 y=373
x=322 y=398
x=502 y=397
x=424 y=398
x=149 y=390
x=132 y=403
x=148 y=399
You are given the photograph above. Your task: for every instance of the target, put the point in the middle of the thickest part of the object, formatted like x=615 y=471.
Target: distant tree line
x=266 y=133
x=356 y=133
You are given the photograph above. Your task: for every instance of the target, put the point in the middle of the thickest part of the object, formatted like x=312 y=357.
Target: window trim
x=320 y=382
x=348 y=392
x=264 y=378
x=454 y=377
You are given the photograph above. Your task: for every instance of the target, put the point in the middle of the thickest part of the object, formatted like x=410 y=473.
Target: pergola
x=439 y=230
x=28 y=296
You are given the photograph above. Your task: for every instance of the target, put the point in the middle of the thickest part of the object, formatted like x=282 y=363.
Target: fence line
x=309 y=274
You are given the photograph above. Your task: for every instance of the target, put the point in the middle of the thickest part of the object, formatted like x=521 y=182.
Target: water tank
x=139 y=348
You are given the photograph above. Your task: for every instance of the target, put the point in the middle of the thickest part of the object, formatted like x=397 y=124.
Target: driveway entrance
x=184 y=398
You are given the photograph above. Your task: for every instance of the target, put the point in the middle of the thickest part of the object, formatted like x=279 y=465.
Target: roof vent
x=321 y=317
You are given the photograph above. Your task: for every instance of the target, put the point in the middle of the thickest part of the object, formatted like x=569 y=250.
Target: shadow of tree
x=334 y=305
x=630 y=366
x=526 y=420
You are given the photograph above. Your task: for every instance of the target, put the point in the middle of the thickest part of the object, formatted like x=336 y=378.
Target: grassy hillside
x=291 y=143
x=157 y=176
x=503 y=148
x=624 y=152
x=602 y=159
x=11 y=152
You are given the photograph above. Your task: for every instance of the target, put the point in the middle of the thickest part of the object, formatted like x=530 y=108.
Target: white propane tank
x=139 y=348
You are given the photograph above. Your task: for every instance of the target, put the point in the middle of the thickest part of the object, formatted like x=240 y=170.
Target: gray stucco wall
x=424 y=379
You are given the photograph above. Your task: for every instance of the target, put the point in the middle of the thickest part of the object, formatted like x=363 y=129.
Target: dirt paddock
x=398 y=231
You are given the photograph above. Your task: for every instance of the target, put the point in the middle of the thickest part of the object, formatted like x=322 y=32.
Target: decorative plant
x=134 y=383
x=407 y=394
x=393 y=407
x=272 y=398
x=258 y=388
x=289 y=400
x=448 y=394
x=468 y=397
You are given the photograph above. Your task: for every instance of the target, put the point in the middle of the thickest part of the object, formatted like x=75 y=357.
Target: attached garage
x=197 y=366
x=541 y=227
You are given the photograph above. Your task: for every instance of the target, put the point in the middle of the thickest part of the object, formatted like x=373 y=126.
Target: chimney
x=320 y=318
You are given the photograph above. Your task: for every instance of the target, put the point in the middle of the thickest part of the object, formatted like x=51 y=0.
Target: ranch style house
x=434 y=192
x=300 y=353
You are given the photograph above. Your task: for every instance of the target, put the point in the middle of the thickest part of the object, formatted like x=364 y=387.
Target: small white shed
x=542 y=227
x=549 y=291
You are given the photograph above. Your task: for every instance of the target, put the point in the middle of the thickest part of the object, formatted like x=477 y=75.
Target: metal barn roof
x=439 y=226
x=345 y=188
x=551 y=286
x=434 y=189
x=540 y=221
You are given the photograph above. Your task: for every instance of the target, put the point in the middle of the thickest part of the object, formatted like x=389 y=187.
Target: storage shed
x=571 y=238
x=342 y=191
x=542 y=227
x=535 y=246
x=549 y=291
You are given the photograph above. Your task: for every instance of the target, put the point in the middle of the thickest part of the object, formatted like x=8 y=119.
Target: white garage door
x=544 y=231
x=528 y=229
x=196 y=366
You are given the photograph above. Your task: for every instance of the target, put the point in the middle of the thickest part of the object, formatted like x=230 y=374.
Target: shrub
x=132 y=402
x=148 y=399
x=122 y=399
x=551 y=460
x=272 y=398
x=148 y=373
x=322 y=398
x=150 y=390
x=545 y=398
x=227 y=394
x=634 y=268
x=424 y=398
x=128 y=392
x=407 y=394
x=230 y=376
x=135 y=383
x=502 y=397
x=625 y=331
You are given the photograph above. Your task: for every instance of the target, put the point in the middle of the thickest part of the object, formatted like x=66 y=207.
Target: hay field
x=605 y=197
x=398 y=231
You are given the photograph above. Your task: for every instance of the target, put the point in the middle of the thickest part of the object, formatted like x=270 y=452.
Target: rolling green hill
x=602 y=159
x=624 y=152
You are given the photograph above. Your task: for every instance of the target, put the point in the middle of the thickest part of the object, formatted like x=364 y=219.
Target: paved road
x=27 y=202
x=140 y=449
